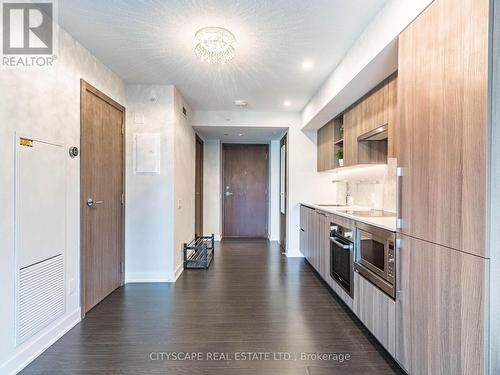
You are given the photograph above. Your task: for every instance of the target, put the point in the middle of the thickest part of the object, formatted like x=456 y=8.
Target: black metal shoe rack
x=199 y=252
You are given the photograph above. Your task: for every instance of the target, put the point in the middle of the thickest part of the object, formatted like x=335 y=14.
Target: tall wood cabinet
x=440 y=311
x=442 y=127
x=442 y=262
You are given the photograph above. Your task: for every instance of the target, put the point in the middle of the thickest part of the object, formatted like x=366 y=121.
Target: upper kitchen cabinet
x=330 y=141
x=370 y=126
x=443 y=122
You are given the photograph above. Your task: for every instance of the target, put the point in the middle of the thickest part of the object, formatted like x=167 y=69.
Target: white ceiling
x=231 y=134
x=150 y=41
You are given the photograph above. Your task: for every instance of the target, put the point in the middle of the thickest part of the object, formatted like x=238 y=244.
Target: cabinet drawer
x=377 y=311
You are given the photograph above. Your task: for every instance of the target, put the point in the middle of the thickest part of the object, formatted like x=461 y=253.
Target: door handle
x=342 y=245
x=91 y=203
x=399 y=219
x=228 y=193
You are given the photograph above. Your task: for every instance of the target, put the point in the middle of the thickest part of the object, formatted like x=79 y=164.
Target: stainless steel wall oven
x=342 y=257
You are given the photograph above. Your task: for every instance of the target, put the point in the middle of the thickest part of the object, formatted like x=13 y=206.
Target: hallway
x=252 y=299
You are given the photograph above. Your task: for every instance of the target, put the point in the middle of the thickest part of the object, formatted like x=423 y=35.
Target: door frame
x=200 y=141
x=223 y=216
x=84 y=87
x=284 y=221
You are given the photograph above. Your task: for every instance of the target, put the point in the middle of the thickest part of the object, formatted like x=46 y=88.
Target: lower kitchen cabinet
x=324 y=245
x=377 y=311
x=309 y=235
x=440 y=309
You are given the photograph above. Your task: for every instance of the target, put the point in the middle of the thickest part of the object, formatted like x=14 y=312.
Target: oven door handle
x=342 y=245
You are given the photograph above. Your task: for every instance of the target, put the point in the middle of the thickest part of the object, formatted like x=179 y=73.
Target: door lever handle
x=91 y=203
x=228 y=193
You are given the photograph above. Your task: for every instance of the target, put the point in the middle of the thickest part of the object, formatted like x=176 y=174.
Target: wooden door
x=102 y=182
x=283 y=190
x=441 y=312
x=245 y=186
x=198 y=199
x=442 y=127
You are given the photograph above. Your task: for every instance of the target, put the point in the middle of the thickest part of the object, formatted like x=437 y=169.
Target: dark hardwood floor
x=252 y=299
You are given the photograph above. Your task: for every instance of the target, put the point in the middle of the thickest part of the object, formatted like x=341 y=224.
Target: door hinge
x=266 y=156
x=122 y=199
x=123 y=128
x=122 y=267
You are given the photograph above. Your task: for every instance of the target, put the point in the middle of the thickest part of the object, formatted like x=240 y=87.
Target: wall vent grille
x=40 y=296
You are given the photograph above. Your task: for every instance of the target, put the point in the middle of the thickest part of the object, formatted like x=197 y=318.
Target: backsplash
x=371 y=186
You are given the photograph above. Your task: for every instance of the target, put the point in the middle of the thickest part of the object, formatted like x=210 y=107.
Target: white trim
x=33 y=348
x=294 y=254
x=148 y=277
x=178 y=271
x=154 y=277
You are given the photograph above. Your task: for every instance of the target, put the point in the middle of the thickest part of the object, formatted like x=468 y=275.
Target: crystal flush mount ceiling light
x=214 y=45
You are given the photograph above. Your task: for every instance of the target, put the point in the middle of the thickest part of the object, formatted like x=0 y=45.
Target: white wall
x=212 y=188
x=160 y=207
x=305 y=184
x=149 y=197
x=44 y=102
x=184 y=181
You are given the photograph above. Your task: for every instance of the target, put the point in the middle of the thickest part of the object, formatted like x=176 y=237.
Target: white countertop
x=388 y=223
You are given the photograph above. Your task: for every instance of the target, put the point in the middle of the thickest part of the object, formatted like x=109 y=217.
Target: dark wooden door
x=101 y=207
x=283 y=190
x=198 y=199
x=245 y=180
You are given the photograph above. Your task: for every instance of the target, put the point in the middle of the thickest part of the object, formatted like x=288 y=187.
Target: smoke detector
x=240 y=103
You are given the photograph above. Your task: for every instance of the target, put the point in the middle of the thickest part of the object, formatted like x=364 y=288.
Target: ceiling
x=231 y=134
x=151 y=42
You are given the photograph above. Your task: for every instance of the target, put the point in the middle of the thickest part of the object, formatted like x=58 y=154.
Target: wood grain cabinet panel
x=304 y=230
x=312 y=239
x=324 y=245
x=441 y=319
x=442 y=127
x=375 y=109
x=326 y=157
x=377 y=311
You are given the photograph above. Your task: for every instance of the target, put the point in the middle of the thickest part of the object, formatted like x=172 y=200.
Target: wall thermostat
x=73 y=151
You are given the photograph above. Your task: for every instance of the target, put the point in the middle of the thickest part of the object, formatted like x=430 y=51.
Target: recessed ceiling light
x=214 y=45
x=240 y=103
x=240 y=134
x=307 y=64
x=287 y=103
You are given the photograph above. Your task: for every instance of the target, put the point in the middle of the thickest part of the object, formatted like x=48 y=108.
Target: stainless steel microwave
x=375 y=256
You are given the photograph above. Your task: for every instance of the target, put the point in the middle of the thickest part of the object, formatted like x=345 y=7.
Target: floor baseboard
x=33 y=348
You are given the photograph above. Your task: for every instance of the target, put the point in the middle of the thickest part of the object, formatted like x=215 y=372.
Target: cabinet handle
x=399 y=219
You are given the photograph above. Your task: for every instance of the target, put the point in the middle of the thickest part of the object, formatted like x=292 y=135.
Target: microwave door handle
x=338 y=243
